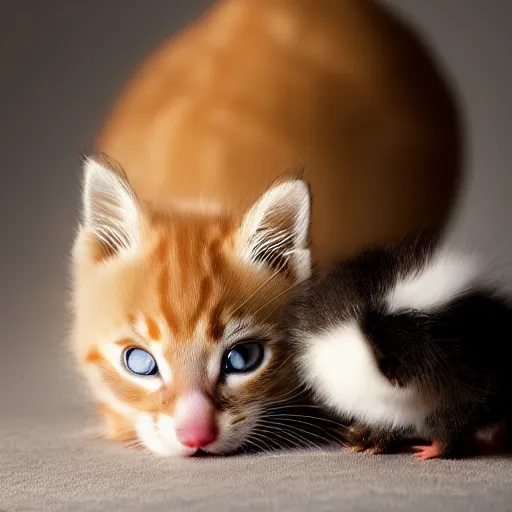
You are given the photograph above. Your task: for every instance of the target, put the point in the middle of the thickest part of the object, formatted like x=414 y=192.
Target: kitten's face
x=176 y=316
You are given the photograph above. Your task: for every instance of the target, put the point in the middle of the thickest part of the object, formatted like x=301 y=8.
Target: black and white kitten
x=407 y=341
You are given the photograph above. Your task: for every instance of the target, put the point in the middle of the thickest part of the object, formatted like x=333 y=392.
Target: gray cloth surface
x=54 y=463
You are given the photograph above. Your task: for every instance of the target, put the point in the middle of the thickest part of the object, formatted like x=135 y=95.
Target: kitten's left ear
x=275 y=231
x=110 y=210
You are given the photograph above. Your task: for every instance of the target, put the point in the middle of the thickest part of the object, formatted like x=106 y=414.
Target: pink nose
x=195 y=421
x=197 y=436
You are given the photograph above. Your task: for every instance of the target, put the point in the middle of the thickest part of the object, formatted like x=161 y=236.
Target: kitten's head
x=176 y=315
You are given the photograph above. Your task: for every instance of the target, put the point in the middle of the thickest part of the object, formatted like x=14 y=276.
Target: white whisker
x=285 y=398
x=291 y=428
x=335 y=439
x=305 y=416
x=256 y=291
x=273 y=433
x=273 y=299
x=262 y=439
x=255 y=445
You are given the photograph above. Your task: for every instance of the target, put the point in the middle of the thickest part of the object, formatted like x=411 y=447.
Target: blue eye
x=243 y=358
x=140 y=362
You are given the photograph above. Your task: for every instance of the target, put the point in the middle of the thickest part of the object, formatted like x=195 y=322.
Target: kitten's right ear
x=110 y=210
x=275 y=231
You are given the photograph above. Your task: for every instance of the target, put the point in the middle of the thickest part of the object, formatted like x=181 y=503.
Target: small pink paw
x=427 y=452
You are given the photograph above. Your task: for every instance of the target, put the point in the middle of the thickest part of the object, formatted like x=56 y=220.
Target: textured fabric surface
x=55 y=464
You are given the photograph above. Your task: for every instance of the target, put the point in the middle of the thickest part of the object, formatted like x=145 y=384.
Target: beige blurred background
x=61 y=65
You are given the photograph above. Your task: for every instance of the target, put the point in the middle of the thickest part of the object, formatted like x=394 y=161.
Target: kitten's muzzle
x=195 y=417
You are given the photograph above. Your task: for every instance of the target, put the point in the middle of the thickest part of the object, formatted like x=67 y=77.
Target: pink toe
x=427 y=452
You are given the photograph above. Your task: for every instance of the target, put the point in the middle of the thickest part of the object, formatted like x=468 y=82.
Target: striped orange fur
x=178 y=289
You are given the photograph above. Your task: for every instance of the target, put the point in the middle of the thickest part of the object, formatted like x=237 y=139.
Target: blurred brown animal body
x=256 y=88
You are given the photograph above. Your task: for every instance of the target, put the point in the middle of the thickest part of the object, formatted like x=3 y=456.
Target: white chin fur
x=160 y=437
x=340 y=367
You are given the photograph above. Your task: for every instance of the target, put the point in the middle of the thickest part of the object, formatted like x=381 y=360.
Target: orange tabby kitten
x=176 y=314
x=186 y=253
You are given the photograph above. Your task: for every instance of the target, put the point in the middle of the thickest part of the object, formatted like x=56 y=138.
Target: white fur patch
x=160 y=436
x=341 y=368
x=446 y=276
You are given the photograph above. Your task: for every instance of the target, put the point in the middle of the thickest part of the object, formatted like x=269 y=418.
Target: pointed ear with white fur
x=275 y=231
x=110 y=209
